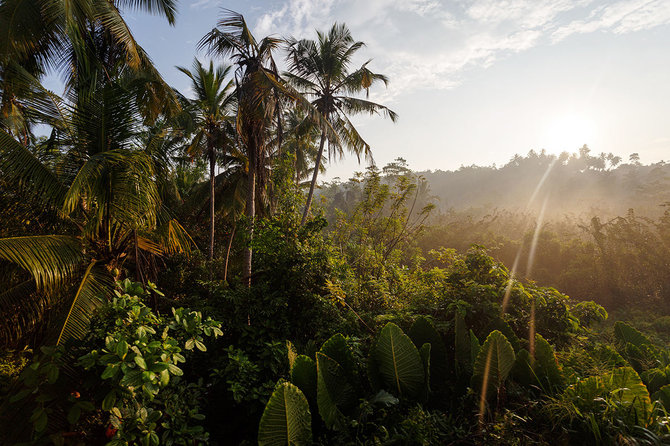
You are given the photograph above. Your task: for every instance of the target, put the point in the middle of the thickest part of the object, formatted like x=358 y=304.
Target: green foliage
x=605 y=406
x=493 y=364
x=422 y=332
x=134 y=375
x=335 y=394
x=627 y=334
x=663 y=395
x=424 y=352
x=655 y=378
x=304 y=375
x=96 y=201
x=546 y=367
x=522 y=371
x=286 y=419
x=396 y=360
x=336 y=348
x=589 y=313
x=462 y=345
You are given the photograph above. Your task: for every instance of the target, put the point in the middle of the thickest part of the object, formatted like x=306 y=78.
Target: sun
x=568 y=133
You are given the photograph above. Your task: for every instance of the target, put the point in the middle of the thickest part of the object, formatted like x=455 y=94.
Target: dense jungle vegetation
x=173 y=273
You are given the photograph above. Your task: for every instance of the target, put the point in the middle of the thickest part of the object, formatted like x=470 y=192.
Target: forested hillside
x=575 y=185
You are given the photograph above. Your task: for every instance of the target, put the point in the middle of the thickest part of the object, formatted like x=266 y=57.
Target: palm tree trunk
x=251 y=213
x=230 y=243
x=212 y=163
x=317 y=165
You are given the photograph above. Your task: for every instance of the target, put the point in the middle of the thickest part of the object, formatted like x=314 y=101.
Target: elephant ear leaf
x=546 y=365
x=625 y=333
x=494 y=362
x=423 y=332
x=522 y=371
x=286 y=420
x=335 y=395
x=336 y=348
x=399 y=362
x=303 y=375
x=625 y=384
x=663 y=395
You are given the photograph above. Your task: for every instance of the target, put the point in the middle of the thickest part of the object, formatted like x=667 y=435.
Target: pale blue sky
x=476 y=81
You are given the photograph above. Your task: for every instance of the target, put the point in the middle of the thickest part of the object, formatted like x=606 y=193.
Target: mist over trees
x=578 y=184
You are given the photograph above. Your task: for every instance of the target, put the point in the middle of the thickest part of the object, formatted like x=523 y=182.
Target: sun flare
x=569 y=132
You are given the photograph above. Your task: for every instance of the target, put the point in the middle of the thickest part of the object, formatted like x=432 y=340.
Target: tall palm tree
x=320 y=71
x=258 y=92
x=211 y=112
x=105 y=190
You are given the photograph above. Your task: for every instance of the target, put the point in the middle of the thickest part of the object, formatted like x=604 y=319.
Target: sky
x=474 y=81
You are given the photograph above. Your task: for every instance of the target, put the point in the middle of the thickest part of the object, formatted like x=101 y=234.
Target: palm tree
x=301 y=142
x=72 y=38
x=104 y=186
x=211 y=113
x=320 y=71
x=258 y=93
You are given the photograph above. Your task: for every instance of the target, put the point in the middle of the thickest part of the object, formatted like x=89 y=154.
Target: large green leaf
x=304 y=375
x=625 y=385
x=422 y=332
x=335 y=394
x=494 y=361
x=663 y=395
x=506 y=329
x=286 y=420
x=475 y=346
x=522 y=371
x=546 y=365
x=337 y=349
x=626 y=333
x=654 y=379
x=622 y=386
x=398 y=362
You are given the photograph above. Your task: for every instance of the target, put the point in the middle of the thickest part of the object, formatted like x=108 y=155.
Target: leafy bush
x=130 y=383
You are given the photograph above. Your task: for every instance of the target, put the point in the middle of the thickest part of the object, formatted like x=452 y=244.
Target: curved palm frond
x=95 y=284
x=22 y=167
x=51 y=259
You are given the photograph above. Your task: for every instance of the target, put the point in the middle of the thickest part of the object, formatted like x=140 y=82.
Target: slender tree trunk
x=251 y=213
x=212 y=164
x=230 y=243
x=317 y=165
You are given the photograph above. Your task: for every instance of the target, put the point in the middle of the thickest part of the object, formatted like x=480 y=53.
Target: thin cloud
x=431 y=44
x=620 y=18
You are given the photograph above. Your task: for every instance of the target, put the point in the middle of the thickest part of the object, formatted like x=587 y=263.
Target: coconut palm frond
x=95 y=284
x=19 y=165
x=51 y=259
x=354 y=106
x=165 y=8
